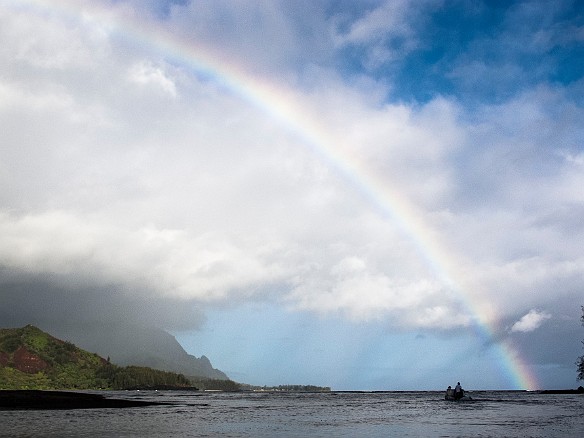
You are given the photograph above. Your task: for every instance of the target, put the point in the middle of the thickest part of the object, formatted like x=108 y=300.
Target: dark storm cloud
x=49 y=301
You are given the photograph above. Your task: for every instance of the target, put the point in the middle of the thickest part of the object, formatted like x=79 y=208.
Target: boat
x=449 y=396
x=464 y=398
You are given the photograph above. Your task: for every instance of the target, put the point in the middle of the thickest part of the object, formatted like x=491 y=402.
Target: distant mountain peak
x=142 y=345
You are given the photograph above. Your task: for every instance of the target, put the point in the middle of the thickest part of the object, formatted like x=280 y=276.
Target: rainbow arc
x=286 y=107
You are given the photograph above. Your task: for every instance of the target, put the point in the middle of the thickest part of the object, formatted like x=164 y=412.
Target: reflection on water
x=339 y=414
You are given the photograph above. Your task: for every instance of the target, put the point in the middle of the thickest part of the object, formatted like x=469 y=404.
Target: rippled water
x=336 y=414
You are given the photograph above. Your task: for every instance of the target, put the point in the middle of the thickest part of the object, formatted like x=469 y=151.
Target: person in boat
x=458 y=392
x=449 y=393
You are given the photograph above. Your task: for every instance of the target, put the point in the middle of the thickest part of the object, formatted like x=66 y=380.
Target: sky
x=366 y=195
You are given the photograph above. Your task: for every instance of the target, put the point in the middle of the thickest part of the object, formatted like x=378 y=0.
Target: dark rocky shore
x=33 y=399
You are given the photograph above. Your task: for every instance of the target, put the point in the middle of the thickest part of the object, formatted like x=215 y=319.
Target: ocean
x=335 y=414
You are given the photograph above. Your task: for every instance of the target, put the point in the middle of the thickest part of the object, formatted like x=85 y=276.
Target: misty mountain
x=106 y=321
x=140 y=345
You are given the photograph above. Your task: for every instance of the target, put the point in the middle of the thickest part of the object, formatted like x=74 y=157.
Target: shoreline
x=580 y=390
x=55 y=400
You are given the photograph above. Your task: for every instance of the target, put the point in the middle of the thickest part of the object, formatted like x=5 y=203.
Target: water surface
x=338 y=414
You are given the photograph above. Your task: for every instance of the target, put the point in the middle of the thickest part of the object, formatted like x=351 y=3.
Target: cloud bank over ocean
x=413 y=169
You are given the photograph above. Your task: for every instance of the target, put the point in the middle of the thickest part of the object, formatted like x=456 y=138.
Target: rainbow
x=285 y=107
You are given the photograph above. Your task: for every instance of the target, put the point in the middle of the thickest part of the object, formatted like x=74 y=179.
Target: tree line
x=580 y=361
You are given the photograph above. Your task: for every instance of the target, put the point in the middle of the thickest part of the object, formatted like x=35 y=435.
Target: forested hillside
x=33 y=359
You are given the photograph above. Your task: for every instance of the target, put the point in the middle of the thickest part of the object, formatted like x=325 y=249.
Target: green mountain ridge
x=33 y=359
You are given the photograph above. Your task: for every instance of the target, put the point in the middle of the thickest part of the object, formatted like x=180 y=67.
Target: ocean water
x=336 y=414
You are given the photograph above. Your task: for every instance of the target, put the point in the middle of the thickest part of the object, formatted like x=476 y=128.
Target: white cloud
x=576 y=159
x=385 y=33
x=264 y=37
x=47 y=41
x=387 y=19
x=530 y=322
x=169 y=262
x=148 y=74
x=353 y=205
